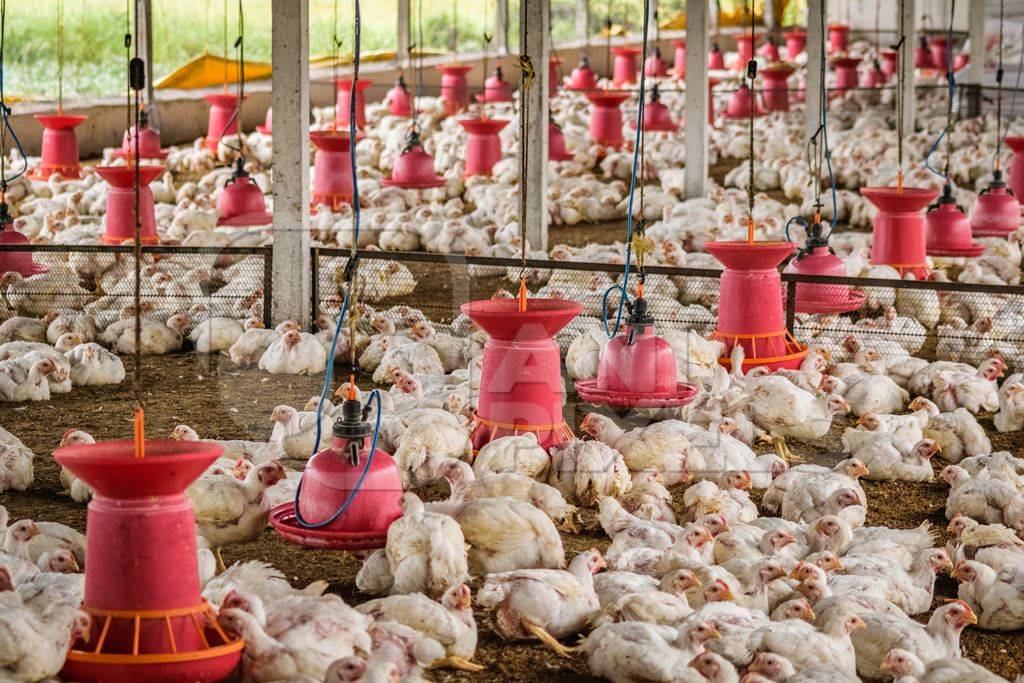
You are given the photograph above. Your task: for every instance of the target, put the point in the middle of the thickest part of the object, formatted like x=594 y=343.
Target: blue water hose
x=951 y=80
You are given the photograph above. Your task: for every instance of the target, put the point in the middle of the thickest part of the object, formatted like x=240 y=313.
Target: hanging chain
x=752 y=75
x=353 y=311
x=487 y=37
x=335 y=50
x=127 y=66
x=526 y=83
x=901 y=57
x=136 y=81
x=999 y=93
x=949 y=93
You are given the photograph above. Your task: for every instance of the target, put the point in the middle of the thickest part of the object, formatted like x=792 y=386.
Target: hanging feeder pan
x=557 y=150
x=743 y=104
x=414 y=170
x=241 y=203
x=821 y=298
x=898 y=238
x=16 y=261
x=948 y=231
x=996 y=212
x=149 y=145
x=59 y=147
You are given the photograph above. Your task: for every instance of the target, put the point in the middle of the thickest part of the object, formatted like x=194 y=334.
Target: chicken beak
x=714 y=633
x=795 y=574
x=970 y=617
x=811 y=614
x=886 y=665
x=948 y=566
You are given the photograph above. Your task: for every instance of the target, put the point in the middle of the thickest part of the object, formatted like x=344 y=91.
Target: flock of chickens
x=697 y=579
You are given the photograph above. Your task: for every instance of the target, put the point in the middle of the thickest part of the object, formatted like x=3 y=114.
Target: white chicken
x=586 y=470
x=295 y=353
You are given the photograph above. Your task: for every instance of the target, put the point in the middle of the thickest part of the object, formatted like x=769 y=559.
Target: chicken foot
x=221 y=567
x=454 y=662
x=782 y=448
x=538 y=632
x=568 y=525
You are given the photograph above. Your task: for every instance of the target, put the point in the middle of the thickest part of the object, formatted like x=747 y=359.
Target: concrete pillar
x=290 y=59
x=402 y=50
x=817 y=26
x=583 y=20
x=975 y=72
x=696 y=129
x=534 y=42
x=144 y=35
x=501 y=27
x=907 y=78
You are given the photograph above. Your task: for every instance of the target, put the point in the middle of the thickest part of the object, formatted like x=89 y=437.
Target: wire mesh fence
x=202 y=282
x=931 y=320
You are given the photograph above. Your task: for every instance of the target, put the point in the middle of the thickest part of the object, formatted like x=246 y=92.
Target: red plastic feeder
x=241 y=202
x=59 y=147
x=817 y=258
x=637 y=368
x=874 y=77
x=414 y=168
x=938 y=46
x=149 y=143
x=554 y=77
x=923 y=55
x=1016 y=180
x=997 y=211
x=838 y=38
x=947 y=230
x=344 y=103
x=679 y=59
x=846 y=73
x=742 y=104
x=716 y=59
x=149 y=621
x=454 y=87
x=521 y=379
x=343 y=476
x=496 y=89
x=119 y=223
x=267 y=127
x=556 y=144
x=961 y=60
x=483 y=146
x=222 y=120
x=399 y=99
x=624 y=69
x=745 y=49
x=582 y=77
x=655 y=66
x=770 y=51
x=750 y=312
x=605 y=126
x=890 y=62
x=796 y=42
x=776 y=89
x=332 y=169
x=657 y=117
x=16 y=261
x=898 y=232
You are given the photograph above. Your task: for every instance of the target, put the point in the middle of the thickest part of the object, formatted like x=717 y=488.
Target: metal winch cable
x=335 y=58
x=752 y=75
x=947 y=132
x=996 y=162
x=901 y=57
x=136 y=83
x=236 y=115
x=527 y=76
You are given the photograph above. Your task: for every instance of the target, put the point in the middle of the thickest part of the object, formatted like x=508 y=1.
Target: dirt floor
x=220 y=400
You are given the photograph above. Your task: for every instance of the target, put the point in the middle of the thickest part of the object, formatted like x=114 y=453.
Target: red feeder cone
x=938 y=46
x=1016 y=181
x=344 y=103
x=637 y=368
x=712 y=82
x=556 y=144
x=898 y=231
x=483 y=146
x=149 y=621
x=770 y=51
x=149 y=142
x=741 y=103
x=241 y=202
x=874 y=77
x=267 y=127
x=582 y=77
x=776 y=88
x=554 y=78
x=399 y=99
x=657 y=117
x=16 y=261
x=59 y=147
x=679 y=59
x=222 y=120
x=846 y=73
x=923 y=55
x=332 y=169
x=817 y=258
x=496 y=89
x=745 y=49
x=605 y=117
x=750 y=312
x=344 y=476
x=838 y=38
x=454 y=87
x=521 y=379
x=997 y=211
x=961 y=60
x=947 y=230
x=890 y=62
x=796 y=42
x=624 y=69
x=655 y=66
x=716 y=59
x=119 y=223
x=414 y=168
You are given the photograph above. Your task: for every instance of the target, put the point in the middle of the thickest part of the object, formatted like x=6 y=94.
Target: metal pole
x=501 y=27
x=290 y=62
x=582 y=20
x=907 y=77
x=815 y=24
x=974 y=77
x=402 y=51
x=144 y=34
x=697 y=95
x=534 y=42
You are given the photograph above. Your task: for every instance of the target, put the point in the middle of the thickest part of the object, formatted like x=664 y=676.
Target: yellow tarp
x=208 y=71
x=732 y=13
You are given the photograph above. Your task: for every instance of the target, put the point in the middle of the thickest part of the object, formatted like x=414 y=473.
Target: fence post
x=790 y=305
x=314 y=286
x=268 y=286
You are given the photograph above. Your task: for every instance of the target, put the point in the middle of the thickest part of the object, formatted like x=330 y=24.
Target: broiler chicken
x=586 y=470
x=996 y=596
x=634 y=651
